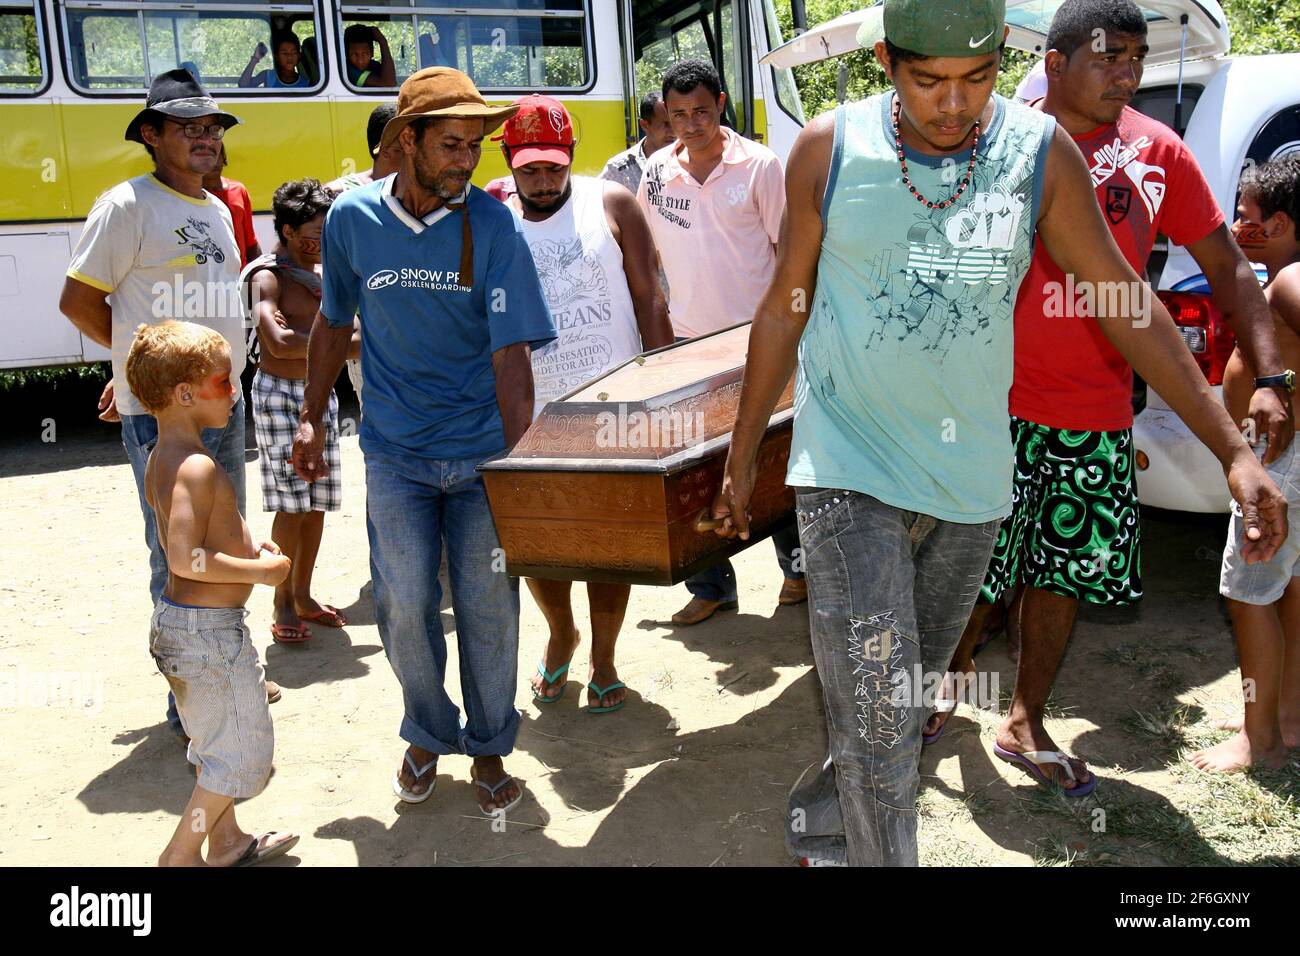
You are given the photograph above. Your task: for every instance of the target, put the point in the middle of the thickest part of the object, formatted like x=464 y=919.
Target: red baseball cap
x=540 y=132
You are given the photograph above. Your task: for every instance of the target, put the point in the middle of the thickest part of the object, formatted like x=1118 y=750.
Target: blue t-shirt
x=273 y=81
x=426 y=341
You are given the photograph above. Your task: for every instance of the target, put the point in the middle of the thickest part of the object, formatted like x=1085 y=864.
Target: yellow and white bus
x=74 y=72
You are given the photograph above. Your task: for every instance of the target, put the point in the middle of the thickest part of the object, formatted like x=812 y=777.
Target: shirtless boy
x=284 y=291
x=181 y=373
x=1264 y=598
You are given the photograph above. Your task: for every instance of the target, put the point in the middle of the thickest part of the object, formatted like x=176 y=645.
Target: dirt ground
x=722 y=718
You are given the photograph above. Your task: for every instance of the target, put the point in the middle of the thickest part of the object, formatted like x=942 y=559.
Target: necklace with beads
x=902 y=160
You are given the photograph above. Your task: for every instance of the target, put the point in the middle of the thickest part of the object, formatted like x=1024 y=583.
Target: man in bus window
x=159 y=247
x=359 y=41
x=288 y=51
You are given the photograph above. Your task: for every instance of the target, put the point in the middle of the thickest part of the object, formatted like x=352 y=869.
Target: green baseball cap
x=936 y=27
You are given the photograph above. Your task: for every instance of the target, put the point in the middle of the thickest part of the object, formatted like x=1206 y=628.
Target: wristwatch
x=1286 y=380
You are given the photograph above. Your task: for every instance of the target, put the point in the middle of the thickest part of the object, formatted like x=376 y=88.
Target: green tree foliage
x=1257 y=26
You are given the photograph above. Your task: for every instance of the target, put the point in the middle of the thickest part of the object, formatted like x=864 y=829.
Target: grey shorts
x=277 y=403
x=207 y=656
x=1265 y=582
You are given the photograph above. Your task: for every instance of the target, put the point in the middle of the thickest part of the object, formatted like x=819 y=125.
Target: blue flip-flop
x=600 y=692
x=550 y=678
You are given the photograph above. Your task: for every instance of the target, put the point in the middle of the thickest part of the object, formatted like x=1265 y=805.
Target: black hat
x=177 y=94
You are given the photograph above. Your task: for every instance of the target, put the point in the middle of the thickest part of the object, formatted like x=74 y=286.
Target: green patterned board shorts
x=1074 y=528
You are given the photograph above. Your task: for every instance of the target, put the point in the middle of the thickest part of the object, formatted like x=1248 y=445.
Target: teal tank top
x=906 y=360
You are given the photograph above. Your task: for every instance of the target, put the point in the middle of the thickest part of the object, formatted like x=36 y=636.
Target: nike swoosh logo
x=975 y=43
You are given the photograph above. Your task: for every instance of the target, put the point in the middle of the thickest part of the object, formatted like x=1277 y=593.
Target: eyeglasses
x=196 y=130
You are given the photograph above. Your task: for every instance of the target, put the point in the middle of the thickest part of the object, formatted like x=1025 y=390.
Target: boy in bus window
x=288 y=51
x=363 y=69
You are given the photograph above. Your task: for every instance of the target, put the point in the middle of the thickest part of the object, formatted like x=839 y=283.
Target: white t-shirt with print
x=161 y=255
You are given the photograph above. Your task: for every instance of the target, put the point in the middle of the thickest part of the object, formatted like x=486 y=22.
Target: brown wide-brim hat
x=440 y=91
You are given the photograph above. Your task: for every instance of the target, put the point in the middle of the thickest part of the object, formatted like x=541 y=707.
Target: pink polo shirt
x=715 y=239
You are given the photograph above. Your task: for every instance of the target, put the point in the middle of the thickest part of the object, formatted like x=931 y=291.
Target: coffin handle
x=705 y=522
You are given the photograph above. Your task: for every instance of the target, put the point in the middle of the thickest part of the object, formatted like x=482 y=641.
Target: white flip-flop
x=492 y=792
x=407 y=795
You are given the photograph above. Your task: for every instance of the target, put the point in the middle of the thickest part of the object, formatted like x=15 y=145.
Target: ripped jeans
x=889 y=593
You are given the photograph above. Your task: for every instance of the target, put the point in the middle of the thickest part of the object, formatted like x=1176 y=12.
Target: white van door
x=34 y=331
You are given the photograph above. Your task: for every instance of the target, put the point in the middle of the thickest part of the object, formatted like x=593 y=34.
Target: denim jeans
x=718 y=583
x=889 y=592
x=226 y=445
x=414 y=506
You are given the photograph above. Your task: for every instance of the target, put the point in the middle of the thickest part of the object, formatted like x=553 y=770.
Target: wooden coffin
x=614 y=481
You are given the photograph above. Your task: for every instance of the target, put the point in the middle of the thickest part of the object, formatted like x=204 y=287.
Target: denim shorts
x=207 y=656
x=1265 y=582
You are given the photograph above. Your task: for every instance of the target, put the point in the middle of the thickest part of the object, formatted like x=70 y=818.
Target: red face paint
x=310 y=247
x=215 y=386
x=1250 y=236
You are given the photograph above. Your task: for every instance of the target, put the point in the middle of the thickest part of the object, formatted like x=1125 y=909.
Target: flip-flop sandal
x=942 y=705
x=288 y=634
x=330 y=616
x=272 y=695
x=410 y=796
x=253 y=856
x=600 y=692
x=551 y=677
x=1030 y=760
x=492 y=792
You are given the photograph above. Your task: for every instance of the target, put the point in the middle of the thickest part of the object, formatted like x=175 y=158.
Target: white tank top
x=581 y=268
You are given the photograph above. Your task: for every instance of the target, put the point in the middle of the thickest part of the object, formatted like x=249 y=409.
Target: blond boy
x=181 y=373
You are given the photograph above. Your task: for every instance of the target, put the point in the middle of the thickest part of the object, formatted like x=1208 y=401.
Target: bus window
x=501 y=44
x=22 y=57
x=226 y=45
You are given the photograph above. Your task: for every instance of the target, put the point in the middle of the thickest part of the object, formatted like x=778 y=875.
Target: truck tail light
x=1207 y=336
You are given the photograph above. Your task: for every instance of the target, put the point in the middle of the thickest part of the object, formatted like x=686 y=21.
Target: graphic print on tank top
x=581 y=269
x=957 y=267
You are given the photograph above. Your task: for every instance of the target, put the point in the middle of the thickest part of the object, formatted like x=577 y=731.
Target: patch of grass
x=1249 y=818
x=1054 y=851
x=943 y=849
x=53 y=375
x=1164 y=727
x=1142 y=662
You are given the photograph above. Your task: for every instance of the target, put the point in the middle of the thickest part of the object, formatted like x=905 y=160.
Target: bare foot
x=604 y=677
x=491 y=771
x=1024 y=738
x=1235 y=755
x=1290 y=733
x=559 y=651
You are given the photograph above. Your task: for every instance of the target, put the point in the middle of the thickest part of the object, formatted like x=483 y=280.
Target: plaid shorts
x=1074 y=528
x=277 y=403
